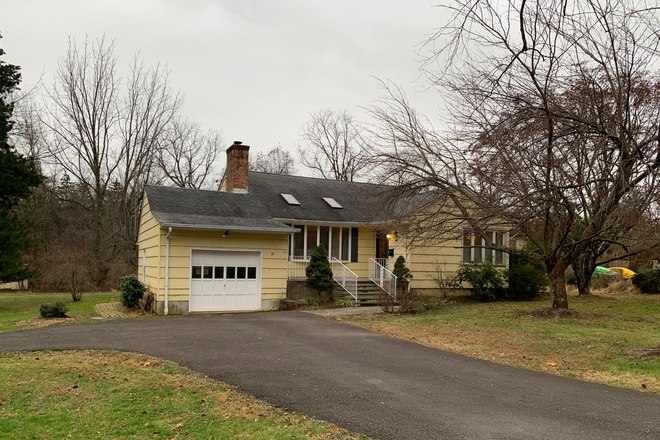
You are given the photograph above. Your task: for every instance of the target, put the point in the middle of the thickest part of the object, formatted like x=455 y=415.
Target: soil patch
x=645 y=352
x=41 y=322
x=557 y=313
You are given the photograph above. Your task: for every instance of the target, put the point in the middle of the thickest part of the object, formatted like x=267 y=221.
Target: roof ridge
x=320 y=178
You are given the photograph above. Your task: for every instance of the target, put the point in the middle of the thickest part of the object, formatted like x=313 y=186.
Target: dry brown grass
x=606 y=338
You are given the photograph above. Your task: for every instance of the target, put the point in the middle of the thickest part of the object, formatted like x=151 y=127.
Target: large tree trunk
x=558 y=287
x=584 y=266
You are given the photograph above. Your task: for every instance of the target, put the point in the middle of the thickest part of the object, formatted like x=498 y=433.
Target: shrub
x=648 y=281
x=57 y=310
x=319 y=273
x=402 y=273
x=433 y=303
x=312 y=303
x=487 y=282
x=571 y=279
x=132 y=291
x=525 y=280
x=344 y=303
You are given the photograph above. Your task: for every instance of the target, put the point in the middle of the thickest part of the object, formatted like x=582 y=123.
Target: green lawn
x=600 y=344
x=111 y=395
x=20 y=310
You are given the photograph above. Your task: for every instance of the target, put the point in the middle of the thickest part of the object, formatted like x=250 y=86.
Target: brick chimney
x=237 y=168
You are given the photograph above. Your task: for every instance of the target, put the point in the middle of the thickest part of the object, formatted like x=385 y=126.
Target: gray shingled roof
x=256 y=210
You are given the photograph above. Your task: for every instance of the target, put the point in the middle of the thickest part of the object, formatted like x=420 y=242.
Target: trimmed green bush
x=525 y=280
x=571 y=279
x=487 y=281
x=648 y=281
x=57 y=310
x=402 y=273
x=319 y=273
x=132 y=291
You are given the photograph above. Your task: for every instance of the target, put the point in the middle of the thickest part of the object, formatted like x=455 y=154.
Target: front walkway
x=114 y=310
x=367 y=382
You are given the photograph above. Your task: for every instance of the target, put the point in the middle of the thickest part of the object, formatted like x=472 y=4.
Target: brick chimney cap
x=238 y=142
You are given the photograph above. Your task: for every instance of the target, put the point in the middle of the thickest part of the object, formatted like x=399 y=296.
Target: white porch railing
x=344 y=277
x=297 y=268
x=385 y=262
x=383 y=278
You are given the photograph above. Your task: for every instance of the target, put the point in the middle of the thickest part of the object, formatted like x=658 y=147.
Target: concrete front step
x=368 y=293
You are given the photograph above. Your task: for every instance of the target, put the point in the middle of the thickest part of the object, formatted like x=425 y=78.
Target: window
x=252 y=273
x=299 y=242
x=332 y=202
x=231 y=273
x=312 y=239
x=290 y=199
x=336 y=241
x=474 y=248
x=240 y=272
x=219 y=272
x=197 y=271
x=207 y=272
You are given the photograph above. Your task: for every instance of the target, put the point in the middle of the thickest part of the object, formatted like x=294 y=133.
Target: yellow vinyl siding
x=274 y=259
x=366 y=250
x=149 y=239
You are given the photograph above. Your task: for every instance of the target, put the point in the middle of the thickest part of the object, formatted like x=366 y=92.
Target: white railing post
x=382 y=277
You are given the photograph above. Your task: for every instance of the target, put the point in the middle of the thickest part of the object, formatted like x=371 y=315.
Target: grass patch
x=20 y=310
x=109 y=395
x=606 y=338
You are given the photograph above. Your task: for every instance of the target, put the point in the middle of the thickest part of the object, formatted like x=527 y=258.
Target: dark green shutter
x=290 y=243
x=354 y=245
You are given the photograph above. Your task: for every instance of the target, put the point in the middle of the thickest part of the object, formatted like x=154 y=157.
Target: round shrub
x=525 y=280
x=132 y=291
x=57 y=310
x=648 y=281
x=487 y=282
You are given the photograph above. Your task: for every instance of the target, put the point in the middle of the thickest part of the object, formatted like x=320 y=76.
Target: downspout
x=167 y=270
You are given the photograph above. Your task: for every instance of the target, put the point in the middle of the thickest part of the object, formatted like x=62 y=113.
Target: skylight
x=332 y=202
x=290 y=199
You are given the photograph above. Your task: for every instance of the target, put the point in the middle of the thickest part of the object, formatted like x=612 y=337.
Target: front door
x=382 y=248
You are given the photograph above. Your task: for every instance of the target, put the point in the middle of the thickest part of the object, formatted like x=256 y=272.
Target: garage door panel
x=229 y=280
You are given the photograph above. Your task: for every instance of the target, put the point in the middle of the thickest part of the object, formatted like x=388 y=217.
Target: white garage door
x=225 y=281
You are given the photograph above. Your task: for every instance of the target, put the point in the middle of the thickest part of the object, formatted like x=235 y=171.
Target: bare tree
x=555 y=116
x=104 y=136
x=276 y=161
x=187 y=155
x=332 y=144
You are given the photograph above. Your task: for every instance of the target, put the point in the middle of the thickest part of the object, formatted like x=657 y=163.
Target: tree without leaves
x=556 y=115
x=105 y=138
x=187 y=155
x=276 y=161
x=332 y=144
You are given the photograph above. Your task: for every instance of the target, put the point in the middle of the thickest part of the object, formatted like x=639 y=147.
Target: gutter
x=167 y=271
x=257 y=229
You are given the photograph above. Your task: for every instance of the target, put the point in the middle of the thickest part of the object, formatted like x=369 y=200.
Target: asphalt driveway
x=368 y=382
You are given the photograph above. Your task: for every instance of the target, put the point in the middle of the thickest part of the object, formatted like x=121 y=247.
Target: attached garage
x=225 y=280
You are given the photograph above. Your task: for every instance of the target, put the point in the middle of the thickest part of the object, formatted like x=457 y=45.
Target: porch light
x=389 y=236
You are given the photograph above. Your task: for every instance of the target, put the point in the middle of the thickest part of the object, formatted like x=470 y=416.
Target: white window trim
x=306 y=257
x=482 y=247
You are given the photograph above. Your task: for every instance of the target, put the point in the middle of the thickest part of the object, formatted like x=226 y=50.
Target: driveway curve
x=367 y=382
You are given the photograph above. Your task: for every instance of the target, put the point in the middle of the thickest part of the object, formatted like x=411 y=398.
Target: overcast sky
x=253 y=69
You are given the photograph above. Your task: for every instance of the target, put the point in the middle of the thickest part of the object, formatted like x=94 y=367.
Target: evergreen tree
x=18 y=176
x=402 y=273
x=318 y=271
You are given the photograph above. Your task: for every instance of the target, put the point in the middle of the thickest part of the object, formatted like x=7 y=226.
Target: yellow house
x=235 y=249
